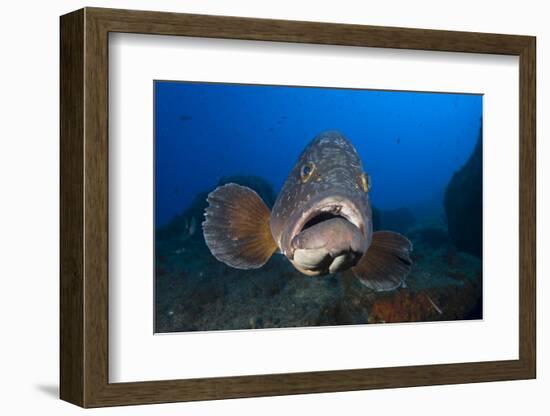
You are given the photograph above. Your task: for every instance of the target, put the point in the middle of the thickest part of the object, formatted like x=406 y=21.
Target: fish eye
x=307 y=170
x=365 y=182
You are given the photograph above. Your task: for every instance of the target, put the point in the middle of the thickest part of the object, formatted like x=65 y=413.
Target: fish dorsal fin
x=386 y=263
x=236 y=227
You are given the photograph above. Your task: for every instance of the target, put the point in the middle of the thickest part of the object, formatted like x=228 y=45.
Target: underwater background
x=423 y=152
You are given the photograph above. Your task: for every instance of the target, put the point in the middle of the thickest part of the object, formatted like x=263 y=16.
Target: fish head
x=322 y=220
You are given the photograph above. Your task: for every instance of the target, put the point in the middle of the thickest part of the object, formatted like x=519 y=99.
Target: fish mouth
x=325 y=210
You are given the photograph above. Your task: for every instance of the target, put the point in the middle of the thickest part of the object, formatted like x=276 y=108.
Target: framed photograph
x=254 y=207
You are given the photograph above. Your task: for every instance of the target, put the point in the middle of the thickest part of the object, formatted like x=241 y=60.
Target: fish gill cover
x=412 y=145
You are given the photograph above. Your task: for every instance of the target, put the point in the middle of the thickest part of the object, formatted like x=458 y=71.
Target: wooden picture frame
x=84 y=207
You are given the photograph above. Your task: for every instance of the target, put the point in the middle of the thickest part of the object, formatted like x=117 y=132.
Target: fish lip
x=340 y=205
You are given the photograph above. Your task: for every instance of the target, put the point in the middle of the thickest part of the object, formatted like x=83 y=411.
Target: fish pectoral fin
x=236 y=227
x=386 y=263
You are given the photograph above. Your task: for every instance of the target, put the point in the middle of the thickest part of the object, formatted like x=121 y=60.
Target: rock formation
x=463 y=204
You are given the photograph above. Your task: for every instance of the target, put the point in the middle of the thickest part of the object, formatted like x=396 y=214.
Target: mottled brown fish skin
x=337 y=173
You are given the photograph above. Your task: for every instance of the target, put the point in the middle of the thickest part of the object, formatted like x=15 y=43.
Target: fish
x=321 y=221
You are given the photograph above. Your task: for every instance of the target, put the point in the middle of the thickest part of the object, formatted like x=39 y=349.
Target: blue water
x=411 y=143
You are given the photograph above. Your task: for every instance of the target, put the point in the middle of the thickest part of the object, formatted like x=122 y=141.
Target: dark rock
x=208 y=291
x=432 y=237
x=259 y=323
x=463 y=204
x=477 y=310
